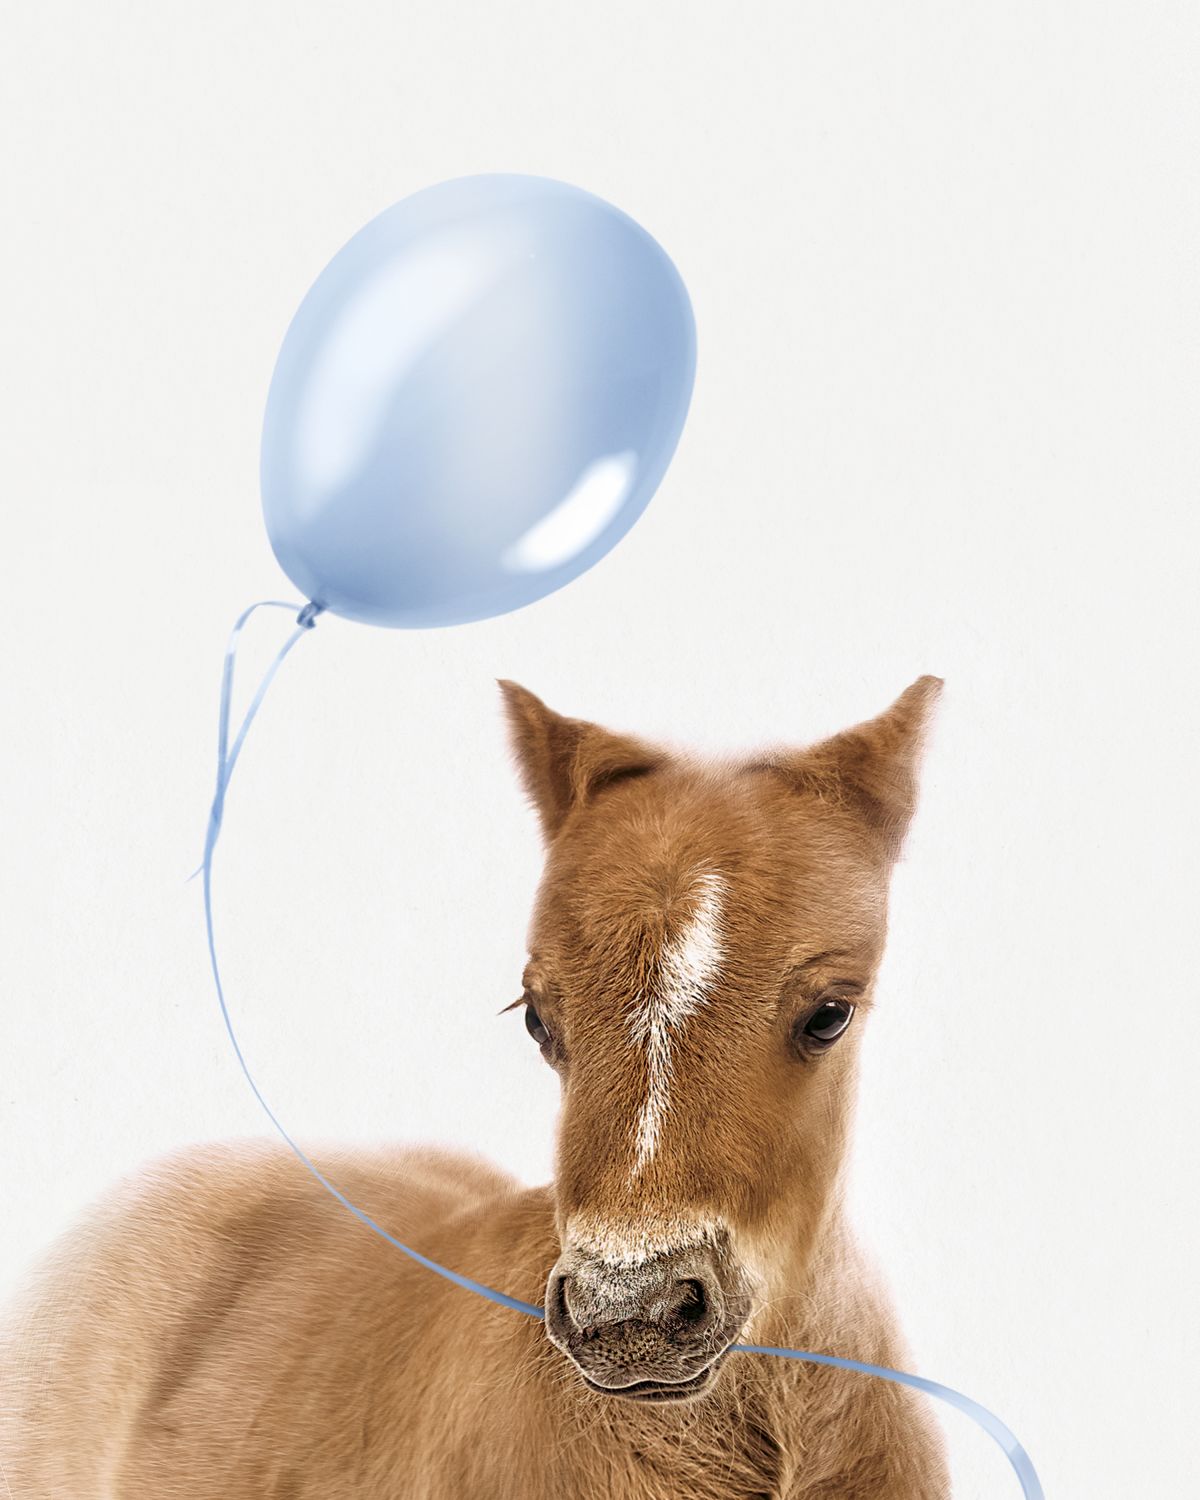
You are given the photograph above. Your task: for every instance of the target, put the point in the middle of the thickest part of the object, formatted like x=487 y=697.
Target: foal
x=701 y=961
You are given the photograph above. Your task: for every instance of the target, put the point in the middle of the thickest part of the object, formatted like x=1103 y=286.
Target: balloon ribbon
x=227 y=758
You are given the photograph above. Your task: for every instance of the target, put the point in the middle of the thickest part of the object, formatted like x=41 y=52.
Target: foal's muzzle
x=657 y=1331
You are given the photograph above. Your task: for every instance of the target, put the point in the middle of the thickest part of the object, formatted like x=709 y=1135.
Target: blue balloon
x=475 y=401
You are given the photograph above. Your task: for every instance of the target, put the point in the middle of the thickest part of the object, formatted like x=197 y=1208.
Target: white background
x=943 y=261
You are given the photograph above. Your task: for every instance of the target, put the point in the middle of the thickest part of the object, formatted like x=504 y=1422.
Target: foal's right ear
x=872 y=768
x=565 y=761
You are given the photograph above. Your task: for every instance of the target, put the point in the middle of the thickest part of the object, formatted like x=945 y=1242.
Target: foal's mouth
x=661 y=1390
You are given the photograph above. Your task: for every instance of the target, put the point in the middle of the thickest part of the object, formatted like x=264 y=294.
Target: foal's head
x=702 y=953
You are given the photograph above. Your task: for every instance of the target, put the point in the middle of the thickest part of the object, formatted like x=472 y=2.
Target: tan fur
x=218 y=1327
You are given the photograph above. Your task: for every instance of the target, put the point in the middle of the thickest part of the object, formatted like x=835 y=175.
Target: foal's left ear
x=563 y=762
x=873 y=767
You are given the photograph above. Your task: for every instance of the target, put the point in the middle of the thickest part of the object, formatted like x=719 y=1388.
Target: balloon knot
x=308 y=615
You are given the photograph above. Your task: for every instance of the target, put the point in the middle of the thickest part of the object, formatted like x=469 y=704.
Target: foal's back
x=218 y=1326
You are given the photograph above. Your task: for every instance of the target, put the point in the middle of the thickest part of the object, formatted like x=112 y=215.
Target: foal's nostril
x=581 y=1311
x=577 y=1315
x=560 y=1289
x=690 y=1303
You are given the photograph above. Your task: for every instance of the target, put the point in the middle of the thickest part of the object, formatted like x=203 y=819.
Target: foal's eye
x=536 y=1027
x=826 y=1024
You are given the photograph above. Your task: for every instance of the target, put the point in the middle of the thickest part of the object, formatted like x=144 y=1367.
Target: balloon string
x=227 y=758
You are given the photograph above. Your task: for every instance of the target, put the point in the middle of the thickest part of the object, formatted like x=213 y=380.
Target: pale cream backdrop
x=943 y=260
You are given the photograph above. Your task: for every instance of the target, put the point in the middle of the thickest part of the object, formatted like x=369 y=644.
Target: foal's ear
x=564 y=761
x=872 y=767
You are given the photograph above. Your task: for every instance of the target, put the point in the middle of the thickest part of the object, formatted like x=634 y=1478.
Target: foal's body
x=220 y=1329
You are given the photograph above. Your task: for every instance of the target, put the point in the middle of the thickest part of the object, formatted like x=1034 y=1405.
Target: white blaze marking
x=686 y=967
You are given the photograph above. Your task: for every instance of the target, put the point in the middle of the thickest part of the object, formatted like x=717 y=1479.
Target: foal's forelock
x=680 y=980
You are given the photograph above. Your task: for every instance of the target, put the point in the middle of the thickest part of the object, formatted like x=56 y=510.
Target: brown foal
x=702 y=954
